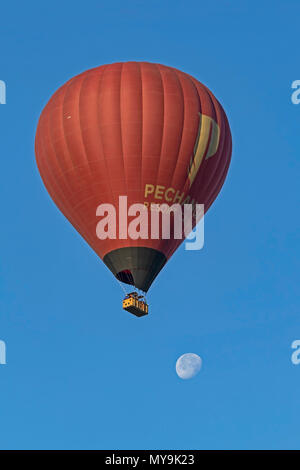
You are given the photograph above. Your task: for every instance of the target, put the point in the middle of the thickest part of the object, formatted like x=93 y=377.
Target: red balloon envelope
x=136 y=129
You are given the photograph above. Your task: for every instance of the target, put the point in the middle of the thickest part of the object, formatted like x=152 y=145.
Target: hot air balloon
x=142 y=130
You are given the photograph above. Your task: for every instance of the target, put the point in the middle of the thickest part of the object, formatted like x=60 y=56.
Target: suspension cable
x=122 y=287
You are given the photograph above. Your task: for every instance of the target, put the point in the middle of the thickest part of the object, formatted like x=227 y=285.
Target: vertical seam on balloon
x=200 y=111
x=216 y=187
x=221 y=179
x=219 y=185
x=75 y=214
x=63 y=123
x=45 y=164
x=163 y=121
x=100 y=132
x=141 y=190
x=99 y=126
x=180 y=141
x=142 y=127
x=220 y=150
x=99 y=129
x=163 y=124
x=83 y=81
x=121 y=130
x=50 y=117
x=64 y=202
x=178 y=76
x=69 y=153
x=55 y=157
x=163 y=133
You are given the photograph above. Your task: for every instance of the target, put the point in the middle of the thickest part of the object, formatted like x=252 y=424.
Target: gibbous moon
x=188 y=365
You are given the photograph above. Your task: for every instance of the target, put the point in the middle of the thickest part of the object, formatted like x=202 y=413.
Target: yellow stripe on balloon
x=207 y=143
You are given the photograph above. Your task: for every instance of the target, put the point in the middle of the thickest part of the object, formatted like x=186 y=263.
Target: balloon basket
x=136 y=304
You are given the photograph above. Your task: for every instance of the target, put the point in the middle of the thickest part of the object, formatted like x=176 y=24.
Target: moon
x=188 y=365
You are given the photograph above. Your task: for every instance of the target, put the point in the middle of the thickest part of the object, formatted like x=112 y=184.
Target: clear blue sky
x=82 y=373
